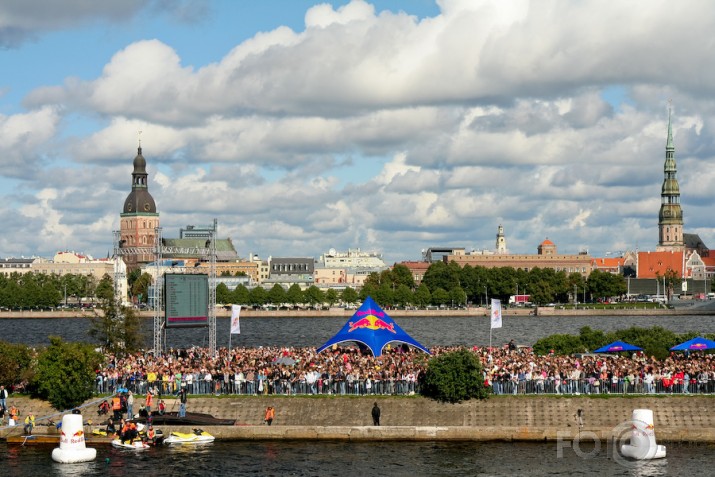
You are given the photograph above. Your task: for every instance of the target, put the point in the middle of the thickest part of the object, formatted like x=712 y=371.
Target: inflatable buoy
x=642 y=445
x=72 y=447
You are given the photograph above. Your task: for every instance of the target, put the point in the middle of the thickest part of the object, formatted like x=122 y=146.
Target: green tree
x=105 y=288
x=440 y=297
x=349 y=295
x=117 y=328
x=457 y=296
x=423 y=296
x=258 y=296
x=223 y=294
x=367 y=290
x=241 y=295
x=374 y=279
x=454 y=377
x=403 y=296
x=384 y=295
x=441 y=275
x=606 y=285
x=331 y=296
x=294 y=295
x=277 y=295
x=401 y=275
x=314 y=296
x=141 y=287
x=65 y=373
x=15 y=363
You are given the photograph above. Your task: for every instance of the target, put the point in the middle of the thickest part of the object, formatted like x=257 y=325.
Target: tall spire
x=670 y=219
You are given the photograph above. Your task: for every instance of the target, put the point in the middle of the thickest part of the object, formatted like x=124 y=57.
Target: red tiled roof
x=652 y=264
x=608 y=262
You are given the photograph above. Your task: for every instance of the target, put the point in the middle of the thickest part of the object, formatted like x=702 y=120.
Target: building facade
x=546 y=257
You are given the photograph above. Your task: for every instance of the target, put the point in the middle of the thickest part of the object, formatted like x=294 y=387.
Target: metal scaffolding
x=158 y=251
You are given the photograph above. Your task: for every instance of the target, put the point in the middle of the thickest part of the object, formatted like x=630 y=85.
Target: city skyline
x=389 y=126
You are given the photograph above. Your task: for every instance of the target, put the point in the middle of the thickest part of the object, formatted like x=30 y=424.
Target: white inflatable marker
x=72 y=447
x=642 y=445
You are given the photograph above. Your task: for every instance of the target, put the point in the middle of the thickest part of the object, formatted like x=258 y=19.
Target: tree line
x=34 y=290
x=442 y=285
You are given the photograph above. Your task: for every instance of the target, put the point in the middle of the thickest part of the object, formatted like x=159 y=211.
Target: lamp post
x=575 y=296
x=486 y=297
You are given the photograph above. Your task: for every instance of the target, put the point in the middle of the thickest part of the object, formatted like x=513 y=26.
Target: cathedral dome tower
x=139 y=218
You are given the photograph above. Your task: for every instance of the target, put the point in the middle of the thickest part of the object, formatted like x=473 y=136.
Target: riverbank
x=341 y=313
x=499 y=418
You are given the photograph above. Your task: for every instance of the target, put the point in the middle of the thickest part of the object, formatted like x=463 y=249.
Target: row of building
x=682 y=253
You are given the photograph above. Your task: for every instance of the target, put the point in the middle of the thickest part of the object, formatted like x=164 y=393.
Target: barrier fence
x=261 y=386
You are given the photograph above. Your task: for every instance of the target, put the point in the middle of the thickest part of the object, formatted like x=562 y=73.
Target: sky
x=389 y=126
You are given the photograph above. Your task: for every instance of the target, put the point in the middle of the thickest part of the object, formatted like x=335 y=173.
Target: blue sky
x=389 y=125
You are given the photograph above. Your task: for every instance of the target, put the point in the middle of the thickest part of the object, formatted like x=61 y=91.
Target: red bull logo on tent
x=371 y=322
x=372 y=328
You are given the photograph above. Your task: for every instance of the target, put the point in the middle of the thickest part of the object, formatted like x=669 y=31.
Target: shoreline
x=340 y=313
x=685 y=419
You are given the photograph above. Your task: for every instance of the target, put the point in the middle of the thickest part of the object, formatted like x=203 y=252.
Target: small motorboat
x=198 y=436
x=136 y=444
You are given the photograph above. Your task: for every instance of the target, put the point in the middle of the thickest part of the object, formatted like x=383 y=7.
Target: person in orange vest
x=117 y=407
x=129 y=432
x=149 y=402
x=151 y=435
x=270 y=414
x=13 y=413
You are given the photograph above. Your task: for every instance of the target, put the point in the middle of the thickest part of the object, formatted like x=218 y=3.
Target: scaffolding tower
x=158 y=251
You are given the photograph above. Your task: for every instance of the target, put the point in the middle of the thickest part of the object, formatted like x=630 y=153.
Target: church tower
x=670 y=219
x=501 y=242
x=139 y=218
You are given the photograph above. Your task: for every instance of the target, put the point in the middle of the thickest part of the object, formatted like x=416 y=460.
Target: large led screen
x=186 y=300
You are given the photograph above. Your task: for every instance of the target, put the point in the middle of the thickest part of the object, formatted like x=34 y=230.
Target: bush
x=65 y=373
x=454 y=377
x=561 y=344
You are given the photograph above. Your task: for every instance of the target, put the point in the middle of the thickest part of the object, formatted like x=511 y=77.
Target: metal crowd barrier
x=405 y=387
x=268 y=386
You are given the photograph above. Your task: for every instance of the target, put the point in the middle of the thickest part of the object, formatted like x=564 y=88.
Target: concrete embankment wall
x=682 y=419
x=339 y=313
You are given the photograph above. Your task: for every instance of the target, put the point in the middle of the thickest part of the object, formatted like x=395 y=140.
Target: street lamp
x=486 y=297
x=575 y=296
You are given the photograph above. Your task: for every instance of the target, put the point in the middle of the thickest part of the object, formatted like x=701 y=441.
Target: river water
x=430 y=331
x=347 y=459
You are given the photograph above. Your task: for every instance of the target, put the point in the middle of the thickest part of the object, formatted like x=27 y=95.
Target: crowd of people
x=349 y=370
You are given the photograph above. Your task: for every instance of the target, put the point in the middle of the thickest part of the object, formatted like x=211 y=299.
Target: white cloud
x=491 y=112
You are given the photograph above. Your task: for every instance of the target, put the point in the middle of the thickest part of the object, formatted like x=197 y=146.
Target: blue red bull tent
x=372 y=327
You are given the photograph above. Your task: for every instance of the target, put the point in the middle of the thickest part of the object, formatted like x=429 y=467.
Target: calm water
x=315 y=331
x=345 y=459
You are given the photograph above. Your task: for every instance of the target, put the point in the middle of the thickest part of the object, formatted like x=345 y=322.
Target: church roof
x=694 y=242
x=652 y=264
x=139 y=201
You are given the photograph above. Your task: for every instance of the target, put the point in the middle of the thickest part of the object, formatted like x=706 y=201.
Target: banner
x=235 y=325
x=496 y=313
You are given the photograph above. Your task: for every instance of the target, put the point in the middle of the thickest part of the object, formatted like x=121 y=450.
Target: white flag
x=235 y=325
x=496 y=313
